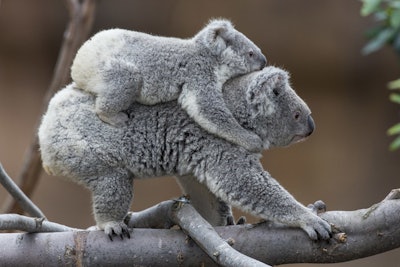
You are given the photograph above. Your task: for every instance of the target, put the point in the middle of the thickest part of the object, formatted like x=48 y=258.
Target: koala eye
x=251 y=54
x=276 y=91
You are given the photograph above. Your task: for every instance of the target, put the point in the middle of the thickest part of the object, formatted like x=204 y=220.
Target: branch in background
x=81 y=14
x=19 y=196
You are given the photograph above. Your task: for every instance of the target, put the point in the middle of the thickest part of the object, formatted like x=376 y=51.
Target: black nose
x=263 y=62
x=311 y=125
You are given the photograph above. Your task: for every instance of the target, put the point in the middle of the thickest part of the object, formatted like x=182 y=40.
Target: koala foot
x=118 y=120
x=116 y=228
x=316 y=228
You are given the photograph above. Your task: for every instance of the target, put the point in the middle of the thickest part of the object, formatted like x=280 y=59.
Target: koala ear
x=264 y=89
x=216 y=36
x=257 y=98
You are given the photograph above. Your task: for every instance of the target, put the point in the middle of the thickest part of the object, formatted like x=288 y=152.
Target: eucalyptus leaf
x=394 y=84
x=379 y=41
x=395 y=144
x=395 y=129
x=395 y=98
x=395 y=18
x=369 y=7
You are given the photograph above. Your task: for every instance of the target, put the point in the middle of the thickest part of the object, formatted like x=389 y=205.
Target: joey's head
x=235 y=53
x=265 y=103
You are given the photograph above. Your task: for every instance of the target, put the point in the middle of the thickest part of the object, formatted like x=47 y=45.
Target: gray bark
x=367 y=232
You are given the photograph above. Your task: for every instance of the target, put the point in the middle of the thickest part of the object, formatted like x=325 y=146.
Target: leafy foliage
x=387 y=14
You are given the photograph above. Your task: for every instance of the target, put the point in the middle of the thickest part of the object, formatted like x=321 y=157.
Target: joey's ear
x=216 y=36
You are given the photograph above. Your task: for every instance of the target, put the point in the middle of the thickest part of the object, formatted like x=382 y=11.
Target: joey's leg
x=212 y=208
x=122 y=85
x=207 y=107
x=112 y=196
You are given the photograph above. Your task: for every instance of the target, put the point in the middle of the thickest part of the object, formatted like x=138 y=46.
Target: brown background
x=346 y=162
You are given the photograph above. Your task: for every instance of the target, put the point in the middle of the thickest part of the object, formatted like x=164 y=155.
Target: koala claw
x=118 y=120
x=318 y=227
x=116 y=228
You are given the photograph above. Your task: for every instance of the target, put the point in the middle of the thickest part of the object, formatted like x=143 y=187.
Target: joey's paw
x=116 y=228
x=318 y=207
x=317 y=228
x=118 y=120
x=253 y=143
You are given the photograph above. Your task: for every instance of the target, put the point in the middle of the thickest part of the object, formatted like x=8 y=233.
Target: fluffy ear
x=257 y=98
x=216 y=36
x=264 y=89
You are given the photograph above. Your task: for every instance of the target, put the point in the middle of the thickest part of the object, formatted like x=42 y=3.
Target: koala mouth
x=298 y=139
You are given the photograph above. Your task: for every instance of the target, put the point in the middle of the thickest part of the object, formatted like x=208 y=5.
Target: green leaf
x=379 y=41
x=394 y=84
x=369 y=7
x=395 y=19
x=395 y=129
x=395 y=98
x=395 y=144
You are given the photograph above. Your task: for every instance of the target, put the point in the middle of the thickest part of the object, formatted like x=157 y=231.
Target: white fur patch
x=188 y=100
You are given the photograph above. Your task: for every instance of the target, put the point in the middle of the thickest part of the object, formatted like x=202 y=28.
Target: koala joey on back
x=163 y=140
x=121 y=67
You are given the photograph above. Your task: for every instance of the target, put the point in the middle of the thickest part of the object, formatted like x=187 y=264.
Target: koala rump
x=163 y=140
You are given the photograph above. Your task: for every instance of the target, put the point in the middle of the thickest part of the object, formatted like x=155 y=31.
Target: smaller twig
x=208 y=239
x=26 y=204
x=30 y=225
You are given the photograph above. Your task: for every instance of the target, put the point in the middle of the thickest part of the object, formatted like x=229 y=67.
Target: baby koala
x=121 y=67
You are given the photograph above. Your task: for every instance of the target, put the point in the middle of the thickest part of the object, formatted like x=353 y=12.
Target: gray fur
x=163 y=140
x=122 y=66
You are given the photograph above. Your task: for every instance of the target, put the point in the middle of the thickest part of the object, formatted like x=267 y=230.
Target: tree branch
x=18 y=195
x=30 y=225
x=81 y=20
x=368 y=232
x=207 y=238
x=178 y=212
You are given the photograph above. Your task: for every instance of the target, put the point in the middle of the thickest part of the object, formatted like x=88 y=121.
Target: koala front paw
x=116 y=228
x=253 y=143
x=316 y=227
x=118 y=120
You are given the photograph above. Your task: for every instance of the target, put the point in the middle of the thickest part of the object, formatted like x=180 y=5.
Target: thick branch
x=369 y=231
x=81 y=20
x=178 y=212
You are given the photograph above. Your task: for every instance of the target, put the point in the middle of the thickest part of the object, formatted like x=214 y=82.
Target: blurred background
x=346 y=162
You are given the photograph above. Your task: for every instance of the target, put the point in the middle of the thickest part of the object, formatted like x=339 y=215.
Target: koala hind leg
x=112 y=196
x=212 y=208
x=122 y=85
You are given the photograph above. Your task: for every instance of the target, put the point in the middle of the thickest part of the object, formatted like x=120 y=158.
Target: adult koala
x=163 y=140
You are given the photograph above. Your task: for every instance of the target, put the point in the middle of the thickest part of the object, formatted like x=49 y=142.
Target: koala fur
x=121 y=66
x=163 y=140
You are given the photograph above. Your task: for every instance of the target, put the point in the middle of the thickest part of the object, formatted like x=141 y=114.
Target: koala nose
x=311 y=125
x=263 y=62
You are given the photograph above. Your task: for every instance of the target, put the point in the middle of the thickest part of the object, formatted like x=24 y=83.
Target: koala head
x=265 y=103
x=235 y=52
